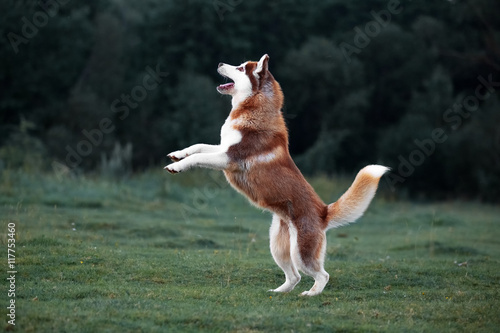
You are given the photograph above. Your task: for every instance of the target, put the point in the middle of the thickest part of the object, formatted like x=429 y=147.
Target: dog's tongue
x=226 y=86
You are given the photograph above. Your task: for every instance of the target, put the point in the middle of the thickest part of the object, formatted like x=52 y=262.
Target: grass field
x=184 y=253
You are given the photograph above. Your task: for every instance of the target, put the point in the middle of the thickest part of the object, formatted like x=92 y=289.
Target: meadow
x=186 y=253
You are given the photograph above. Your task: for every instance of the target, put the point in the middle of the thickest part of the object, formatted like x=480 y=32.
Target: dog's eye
x=241 y=69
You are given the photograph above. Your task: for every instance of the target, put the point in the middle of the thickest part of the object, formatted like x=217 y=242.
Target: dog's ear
x=262 y=65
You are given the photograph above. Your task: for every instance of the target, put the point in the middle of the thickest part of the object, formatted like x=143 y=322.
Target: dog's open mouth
x=225 y=87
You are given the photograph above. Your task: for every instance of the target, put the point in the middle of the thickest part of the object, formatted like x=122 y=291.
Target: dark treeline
x=118 y=84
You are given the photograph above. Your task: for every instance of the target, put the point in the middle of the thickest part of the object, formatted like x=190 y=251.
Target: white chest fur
x=228 y=134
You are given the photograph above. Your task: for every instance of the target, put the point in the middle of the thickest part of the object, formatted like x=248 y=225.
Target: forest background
x=113 y=86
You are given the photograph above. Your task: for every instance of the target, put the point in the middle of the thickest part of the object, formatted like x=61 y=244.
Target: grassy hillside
x=160 y=253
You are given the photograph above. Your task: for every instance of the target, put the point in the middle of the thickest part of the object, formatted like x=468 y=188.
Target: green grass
x=162 y=253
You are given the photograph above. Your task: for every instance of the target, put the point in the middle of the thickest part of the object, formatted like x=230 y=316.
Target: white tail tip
x=375 y=170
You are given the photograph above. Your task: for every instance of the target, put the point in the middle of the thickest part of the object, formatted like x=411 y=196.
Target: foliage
x=22 y=151
x=67 y=65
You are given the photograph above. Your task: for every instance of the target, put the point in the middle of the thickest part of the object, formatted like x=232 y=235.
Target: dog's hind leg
x=308 y=254
x=280 y=249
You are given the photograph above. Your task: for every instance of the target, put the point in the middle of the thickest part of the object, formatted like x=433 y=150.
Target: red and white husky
x=253 y=153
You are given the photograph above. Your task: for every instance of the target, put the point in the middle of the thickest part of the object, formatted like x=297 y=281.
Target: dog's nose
x=220 y=64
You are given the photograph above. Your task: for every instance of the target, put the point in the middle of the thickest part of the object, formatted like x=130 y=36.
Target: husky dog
x=253 y=154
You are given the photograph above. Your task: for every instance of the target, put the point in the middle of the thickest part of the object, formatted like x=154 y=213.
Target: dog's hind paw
x=311 y=293
x=286 y=287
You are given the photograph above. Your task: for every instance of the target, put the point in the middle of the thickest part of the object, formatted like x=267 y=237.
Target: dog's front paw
x=176 y=156
x=173 y=168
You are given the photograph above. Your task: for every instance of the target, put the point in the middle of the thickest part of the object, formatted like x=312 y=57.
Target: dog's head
x=248 y=78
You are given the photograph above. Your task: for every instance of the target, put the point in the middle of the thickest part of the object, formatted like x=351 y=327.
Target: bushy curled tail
x=353 y=203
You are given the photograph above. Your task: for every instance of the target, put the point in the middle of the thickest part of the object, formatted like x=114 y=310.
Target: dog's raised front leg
x=218 y=160
x=194 y=149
